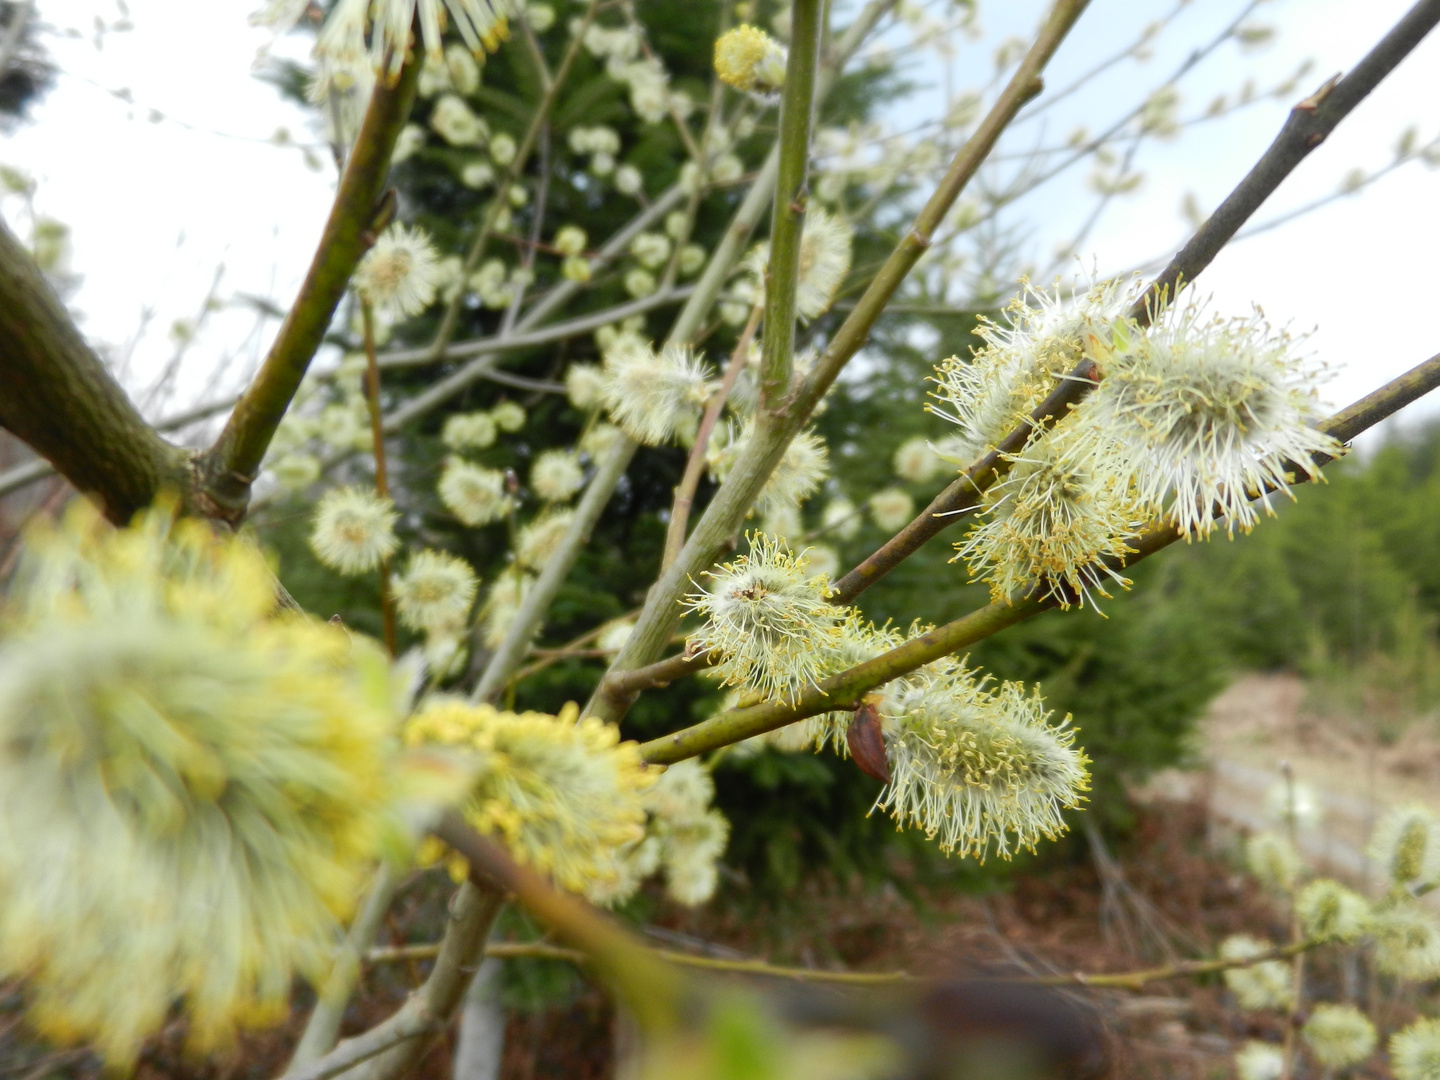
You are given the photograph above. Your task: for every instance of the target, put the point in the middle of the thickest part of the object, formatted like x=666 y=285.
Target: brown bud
x=867 y=742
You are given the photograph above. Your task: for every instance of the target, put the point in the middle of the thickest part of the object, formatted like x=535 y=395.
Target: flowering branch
x=1308 y=124
x=687 y=324
x=849 y=687
x=760 y=456
x=228 y=469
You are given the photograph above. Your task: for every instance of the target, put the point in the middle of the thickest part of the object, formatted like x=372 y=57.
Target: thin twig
x=695 y=464
x=382 y=479
x=1119 y=980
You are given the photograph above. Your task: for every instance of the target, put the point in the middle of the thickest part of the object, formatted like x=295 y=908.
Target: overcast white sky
x=157 y=199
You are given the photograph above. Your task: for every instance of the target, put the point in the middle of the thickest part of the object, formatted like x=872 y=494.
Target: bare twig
x=695 y=464
x=382 y=477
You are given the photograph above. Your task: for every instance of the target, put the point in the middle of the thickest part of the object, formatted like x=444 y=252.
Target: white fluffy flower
x=1407 y=942
x=1406 y=845
x=1213 y=412
x=474 y=494
x=481 y=24
x=1263 y=985
x=652 y=395
x=892 y=509
x=1415 y=1052
x=1062 y=511
x=978 y=768
x=628 y=180
x=454 y=122
x=1044 y=336
x=824 y=262
x=398 y=274
x=540 y=539
x=556 y=475
x=767 y=619
x=915 y=462
x=469 y=431
x=503 y=604
x=1274 y=861
x=650 y=250
x=796 y=476
x=435 y=592
x=354 y=530
x=841 y=518
x=1330 y=912
x=570 y=240
x=584 y=386
x=1259 y=1061
x=1339 y=1035
x=509 y=416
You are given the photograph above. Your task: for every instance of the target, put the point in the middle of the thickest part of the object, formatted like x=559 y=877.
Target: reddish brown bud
x=867 y=743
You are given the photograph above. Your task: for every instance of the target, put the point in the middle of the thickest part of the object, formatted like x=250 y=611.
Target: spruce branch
x=228 y=469
x=846 y=689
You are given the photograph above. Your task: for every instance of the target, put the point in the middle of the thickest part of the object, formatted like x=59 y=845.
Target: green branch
x=60 y=398
x=228 y=469
x=787 y=223
x=1023 y=86
x=846 y=689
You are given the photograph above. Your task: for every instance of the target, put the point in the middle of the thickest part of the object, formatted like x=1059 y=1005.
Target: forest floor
x=1173 y=889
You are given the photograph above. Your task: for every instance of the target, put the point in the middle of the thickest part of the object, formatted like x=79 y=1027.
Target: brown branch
x=228 y=469
x=966 y=492
x=695 y=464
x=654 y=991
x=1117 y=980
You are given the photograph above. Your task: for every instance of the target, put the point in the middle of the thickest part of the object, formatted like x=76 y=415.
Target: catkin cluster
x=1195 y=419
